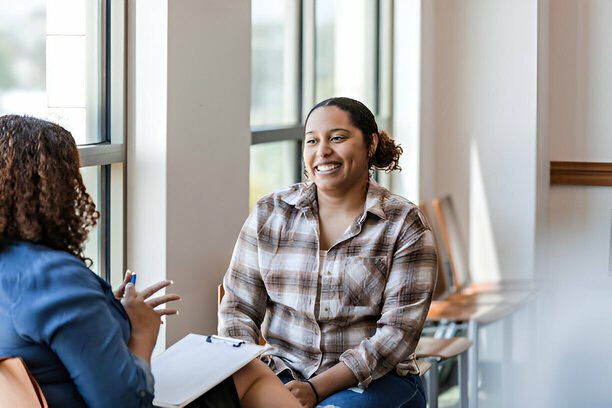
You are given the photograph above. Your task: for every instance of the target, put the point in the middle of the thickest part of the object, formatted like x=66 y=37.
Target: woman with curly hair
x=336 y=273
x=84 y=344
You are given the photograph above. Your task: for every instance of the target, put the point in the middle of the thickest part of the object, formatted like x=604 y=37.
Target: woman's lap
x=389 y=391
x=224 y=395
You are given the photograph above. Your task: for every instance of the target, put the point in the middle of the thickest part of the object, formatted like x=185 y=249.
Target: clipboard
x=195 y=364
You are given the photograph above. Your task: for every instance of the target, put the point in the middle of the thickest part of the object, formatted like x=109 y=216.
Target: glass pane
x=346 y=63
x=50 y=63
x=273 y=166
x=274 y=45
x=92 y=177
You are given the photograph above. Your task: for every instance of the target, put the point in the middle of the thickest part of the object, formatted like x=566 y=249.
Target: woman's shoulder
x=279 y=198
x=399 y=209
x=389 y=200
x=30 y=253
x=29 y=262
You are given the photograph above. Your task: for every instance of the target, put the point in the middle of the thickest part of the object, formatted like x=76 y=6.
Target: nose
x=323 y=149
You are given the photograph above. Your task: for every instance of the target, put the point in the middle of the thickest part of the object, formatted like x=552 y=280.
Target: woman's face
x=335 y=153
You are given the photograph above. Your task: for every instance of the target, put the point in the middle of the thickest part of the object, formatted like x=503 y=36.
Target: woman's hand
x=144 y=318
x=303 y=393
x=121 y=289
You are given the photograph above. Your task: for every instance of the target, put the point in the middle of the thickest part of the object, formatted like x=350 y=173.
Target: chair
x=18 y=388
x=476 y=305
x=436 y=351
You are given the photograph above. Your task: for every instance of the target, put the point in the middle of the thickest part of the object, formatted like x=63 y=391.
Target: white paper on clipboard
x=195 y=364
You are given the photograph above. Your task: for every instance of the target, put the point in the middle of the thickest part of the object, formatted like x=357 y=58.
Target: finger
x=130 y=291
x=155 y=287
x=170 y=297
x=128 y=277
x=167 y=312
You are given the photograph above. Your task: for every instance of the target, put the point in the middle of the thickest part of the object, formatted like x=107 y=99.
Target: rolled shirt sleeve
x=243 y=307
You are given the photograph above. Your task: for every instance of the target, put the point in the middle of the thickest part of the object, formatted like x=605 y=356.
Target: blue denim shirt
x=67 y=325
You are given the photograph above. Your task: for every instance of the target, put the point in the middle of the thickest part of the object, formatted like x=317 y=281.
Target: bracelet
x=314 y=390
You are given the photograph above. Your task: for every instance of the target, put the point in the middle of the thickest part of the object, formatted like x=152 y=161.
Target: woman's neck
x=343 y=201
x=337 y=212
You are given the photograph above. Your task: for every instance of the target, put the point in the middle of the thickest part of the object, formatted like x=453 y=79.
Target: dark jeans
x=389 y=391
x=223 y=395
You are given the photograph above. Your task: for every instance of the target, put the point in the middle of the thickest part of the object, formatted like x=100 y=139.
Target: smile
x=327 y=167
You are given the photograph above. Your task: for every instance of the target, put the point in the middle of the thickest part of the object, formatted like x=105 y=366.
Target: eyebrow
x=337 y=129
x=331 y=130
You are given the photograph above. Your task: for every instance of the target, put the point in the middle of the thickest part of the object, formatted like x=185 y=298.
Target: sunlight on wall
x=484 y=260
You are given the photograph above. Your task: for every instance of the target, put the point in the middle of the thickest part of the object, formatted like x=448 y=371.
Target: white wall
x=188 y=147
x=575 y=303
x=480 y=68
x=146 y=141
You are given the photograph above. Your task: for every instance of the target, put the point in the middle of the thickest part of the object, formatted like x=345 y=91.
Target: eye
x=310 y=141
x=337 y=138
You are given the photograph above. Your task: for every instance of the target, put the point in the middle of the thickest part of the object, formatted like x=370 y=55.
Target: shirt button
x=326 y=309
x=142 y=393
x=328 y=273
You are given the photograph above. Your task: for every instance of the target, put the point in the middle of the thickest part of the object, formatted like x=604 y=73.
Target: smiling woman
x=322 y=260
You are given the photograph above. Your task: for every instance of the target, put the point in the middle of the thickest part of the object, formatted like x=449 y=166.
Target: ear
x=373 y=145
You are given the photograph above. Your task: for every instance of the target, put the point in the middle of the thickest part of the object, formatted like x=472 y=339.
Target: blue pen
x=133 y=278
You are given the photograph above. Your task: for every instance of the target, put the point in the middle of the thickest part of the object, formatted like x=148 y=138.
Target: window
x=303 y=52
x=61 y=61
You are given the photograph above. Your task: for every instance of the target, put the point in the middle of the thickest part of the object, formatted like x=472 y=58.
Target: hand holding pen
x=145 y=319
x=130 y=278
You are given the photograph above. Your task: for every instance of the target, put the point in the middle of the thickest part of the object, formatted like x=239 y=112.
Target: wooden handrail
x=581 y=173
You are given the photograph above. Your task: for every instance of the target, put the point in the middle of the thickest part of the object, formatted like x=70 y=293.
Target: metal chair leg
x=431 y=377
x=473 y=334
x=463 y=379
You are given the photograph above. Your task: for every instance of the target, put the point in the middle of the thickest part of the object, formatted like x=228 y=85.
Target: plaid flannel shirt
x=373 y=295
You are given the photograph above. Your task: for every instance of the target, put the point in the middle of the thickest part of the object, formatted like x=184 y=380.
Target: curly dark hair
x=42 y=196
x=387 y=154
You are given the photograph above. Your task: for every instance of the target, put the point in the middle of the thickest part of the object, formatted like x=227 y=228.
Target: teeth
x=327 y=167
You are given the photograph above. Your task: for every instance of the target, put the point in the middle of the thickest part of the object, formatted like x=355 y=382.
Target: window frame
x=306 y=79
x=111 y=148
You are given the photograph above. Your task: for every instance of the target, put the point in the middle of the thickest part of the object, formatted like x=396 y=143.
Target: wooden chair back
x=444 y=282
x=18 y=388
x=448 y=223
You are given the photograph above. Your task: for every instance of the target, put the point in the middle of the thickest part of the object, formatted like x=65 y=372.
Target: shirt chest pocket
x=364 y=279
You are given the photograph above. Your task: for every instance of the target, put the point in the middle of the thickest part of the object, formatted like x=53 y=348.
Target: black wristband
x=315 y=391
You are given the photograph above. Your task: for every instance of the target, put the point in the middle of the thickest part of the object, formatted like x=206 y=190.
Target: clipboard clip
x=225 y=340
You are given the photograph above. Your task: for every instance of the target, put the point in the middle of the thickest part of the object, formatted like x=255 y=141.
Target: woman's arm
x=64 y=306
x=406 y=299
x=257 y=386
x=337 y=378
x=244 y=305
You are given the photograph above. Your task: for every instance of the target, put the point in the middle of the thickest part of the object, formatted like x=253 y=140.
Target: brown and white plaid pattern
x=371 y=299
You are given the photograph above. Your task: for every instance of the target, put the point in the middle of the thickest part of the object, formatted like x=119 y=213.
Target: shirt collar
x=374 y=200
x=306 y=196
